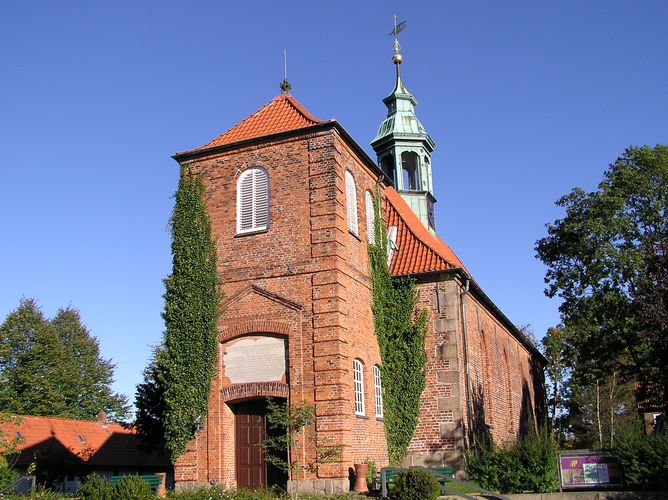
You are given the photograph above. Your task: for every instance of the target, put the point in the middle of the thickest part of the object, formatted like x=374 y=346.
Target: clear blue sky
x=524 y=99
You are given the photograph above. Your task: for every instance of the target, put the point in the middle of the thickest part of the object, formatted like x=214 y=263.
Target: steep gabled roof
x=418 y=251
x=281 y=114
x=94 y=443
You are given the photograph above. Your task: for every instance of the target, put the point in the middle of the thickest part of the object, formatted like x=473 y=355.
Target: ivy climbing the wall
x=172 y=401
x=401 y=330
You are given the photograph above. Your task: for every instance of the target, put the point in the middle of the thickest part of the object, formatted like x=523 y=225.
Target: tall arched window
x=378 y=391
x=351 y=203
x=409 y=170
x=252 y=201
x=370 y=218
x=358 y=377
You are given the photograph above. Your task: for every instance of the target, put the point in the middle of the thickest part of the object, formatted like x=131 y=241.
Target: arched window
x=370 y=218
x=391 y=243
x=358 y=375
x=409 y=170
x=378 y=391
x=351 y=203
x=387 y=166
x=252 y=201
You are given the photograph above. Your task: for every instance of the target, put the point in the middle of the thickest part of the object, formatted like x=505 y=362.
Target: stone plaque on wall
x=255 y=358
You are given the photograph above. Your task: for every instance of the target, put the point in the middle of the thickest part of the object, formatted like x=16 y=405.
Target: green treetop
x=54 y=368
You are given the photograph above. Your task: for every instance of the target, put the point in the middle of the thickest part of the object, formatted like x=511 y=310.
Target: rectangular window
x=359 y=387
x=378 y=391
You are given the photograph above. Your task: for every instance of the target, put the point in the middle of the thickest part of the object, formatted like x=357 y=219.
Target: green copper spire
x=404 y=147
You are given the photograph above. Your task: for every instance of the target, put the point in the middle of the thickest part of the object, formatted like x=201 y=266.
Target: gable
x=281 y=114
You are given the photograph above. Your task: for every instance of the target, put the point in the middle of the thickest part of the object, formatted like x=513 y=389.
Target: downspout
x=467 y=366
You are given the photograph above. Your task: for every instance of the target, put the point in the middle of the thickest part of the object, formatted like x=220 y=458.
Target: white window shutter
x=351 y=203
x=252 y=201
x=391 y=243
x=261 y=198
x=370 y=218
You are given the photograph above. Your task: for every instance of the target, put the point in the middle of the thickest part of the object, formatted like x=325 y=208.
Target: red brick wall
x=501 y=375
x=309 y=280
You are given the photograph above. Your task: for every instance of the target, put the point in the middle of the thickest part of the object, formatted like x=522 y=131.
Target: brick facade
x=306 y=280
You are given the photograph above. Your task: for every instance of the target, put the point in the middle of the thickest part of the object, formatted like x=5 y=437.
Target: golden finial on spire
x=397 y=57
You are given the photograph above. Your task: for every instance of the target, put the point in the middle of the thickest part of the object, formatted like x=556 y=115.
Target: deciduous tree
x=596 y=258
x=53 y=367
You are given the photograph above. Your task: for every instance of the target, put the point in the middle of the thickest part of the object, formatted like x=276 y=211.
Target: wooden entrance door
x=250 y=432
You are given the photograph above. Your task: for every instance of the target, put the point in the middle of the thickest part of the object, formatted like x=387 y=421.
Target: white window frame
x=258 y=203
x=358 y=378
x=378 y=391
x=351 y=203
x=391 y=243
x=370 y=218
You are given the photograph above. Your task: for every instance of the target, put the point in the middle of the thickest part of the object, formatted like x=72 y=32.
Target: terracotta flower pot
x=360 y=478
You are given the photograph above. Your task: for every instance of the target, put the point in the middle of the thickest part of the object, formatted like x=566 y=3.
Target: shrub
x=415 y=484
x=201 y=493
x=643 y=458
x=96 y=488
x=370 y=472
x=7 y=474
x=529 y=465
x=132 y=488
x=260 y=494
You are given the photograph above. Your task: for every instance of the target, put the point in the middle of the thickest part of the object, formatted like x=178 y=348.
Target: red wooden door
x=251 y=468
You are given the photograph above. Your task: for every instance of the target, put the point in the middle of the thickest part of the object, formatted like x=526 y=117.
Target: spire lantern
x=404 y=147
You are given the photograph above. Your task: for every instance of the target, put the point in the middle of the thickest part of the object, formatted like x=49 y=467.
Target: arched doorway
x=251 y=429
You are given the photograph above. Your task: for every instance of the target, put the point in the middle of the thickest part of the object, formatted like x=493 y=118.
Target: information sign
x=585 y=469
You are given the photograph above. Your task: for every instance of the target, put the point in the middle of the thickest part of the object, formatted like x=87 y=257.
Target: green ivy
x=400 y=329
x=174 y=397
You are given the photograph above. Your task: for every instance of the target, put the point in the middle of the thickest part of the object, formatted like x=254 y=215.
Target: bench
x=445 y=477
x=153 y=481
x=389 y=474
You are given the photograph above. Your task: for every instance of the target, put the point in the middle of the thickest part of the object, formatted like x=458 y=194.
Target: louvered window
x=370 y=218
x=252 y=201
x=359 y=387
x=351 y=203
x=391 y=243
x=378 y=391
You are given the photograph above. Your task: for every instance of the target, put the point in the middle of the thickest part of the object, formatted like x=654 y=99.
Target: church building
x=290 y=199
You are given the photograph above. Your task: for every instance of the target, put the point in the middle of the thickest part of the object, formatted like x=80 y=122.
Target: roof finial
x=398 y=28
x=285 y=84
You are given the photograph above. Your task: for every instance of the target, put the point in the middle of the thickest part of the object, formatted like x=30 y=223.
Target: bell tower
x=404 y=148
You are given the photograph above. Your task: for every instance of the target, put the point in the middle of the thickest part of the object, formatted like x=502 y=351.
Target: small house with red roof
x=63 y=450
x=290 y=198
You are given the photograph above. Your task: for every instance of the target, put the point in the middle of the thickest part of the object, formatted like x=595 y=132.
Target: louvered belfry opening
x=253 y=201
x=351 y=203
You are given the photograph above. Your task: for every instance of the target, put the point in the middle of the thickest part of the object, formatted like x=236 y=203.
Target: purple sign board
x=584 y=469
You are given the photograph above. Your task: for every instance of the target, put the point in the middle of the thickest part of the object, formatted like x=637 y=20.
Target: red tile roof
x=281 y=114
x=93 y=443
x=418 y=250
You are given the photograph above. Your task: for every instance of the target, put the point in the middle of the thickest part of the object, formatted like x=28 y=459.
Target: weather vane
x=285 y=84
x=398 y=28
